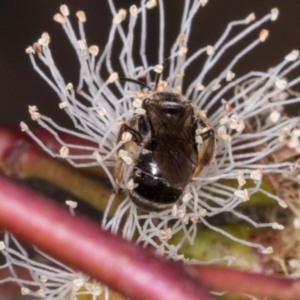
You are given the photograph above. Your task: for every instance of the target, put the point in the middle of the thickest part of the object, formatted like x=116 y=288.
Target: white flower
x=246 y=137
x=47 y=277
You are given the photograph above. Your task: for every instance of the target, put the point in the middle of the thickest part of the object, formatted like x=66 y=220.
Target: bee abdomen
x=153 y=193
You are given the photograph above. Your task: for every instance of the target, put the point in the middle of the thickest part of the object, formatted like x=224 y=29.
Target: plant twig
x=260 y=285
x=22 y=158
x=124 y=267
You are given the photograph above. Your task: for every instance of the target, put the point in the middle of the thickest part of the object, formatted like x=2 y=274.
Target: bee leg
x=119 y=168
x=198 y=121
x=120 y=165
x=206 y=150
x=136 y=137
x=118 y=174
x=207 y=134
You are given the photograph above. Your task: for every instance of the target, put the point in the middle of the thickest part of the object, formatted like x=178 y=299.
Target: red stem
x=259 y=285
x=126 y=268
x=21 y=157
x=46 y=137
x=134 y=272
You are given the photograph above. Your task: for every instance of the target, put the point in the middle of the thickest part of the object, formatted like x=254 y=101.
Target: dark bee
x=165 y=150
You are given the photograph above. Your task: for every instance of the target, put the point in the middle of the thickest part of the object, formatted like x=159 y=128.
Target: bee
x=171 y=143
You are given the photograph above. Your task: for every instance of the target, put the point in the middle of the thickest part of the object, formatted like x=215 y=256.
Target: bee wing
x=173 y=143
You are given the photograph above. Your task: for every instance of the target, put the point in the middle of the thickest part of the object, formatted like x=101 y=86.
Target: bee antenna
x=158 y=75
x=135 y=81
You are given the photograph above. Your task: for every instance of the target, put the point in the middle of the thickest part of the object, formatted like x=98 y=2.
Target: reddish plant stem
x=47 y=138
x=113 y=261
x=259 y=285
x=22 y=158
x=124 y=267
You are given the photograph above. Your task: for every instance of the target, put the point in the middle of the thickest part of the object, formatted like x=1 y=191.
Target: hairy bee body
x=164 y=149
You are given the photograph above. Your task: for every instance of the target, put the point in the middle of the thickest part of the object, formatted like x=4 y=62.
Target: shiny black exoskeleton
x=165 y=149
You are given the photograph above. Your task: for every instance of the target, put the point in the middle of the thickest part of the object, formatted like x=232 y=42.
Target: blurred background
x=22 y=22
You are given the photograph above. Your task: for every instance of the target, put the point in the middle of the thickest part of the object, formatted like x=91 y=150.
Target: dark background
x=23 y=21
